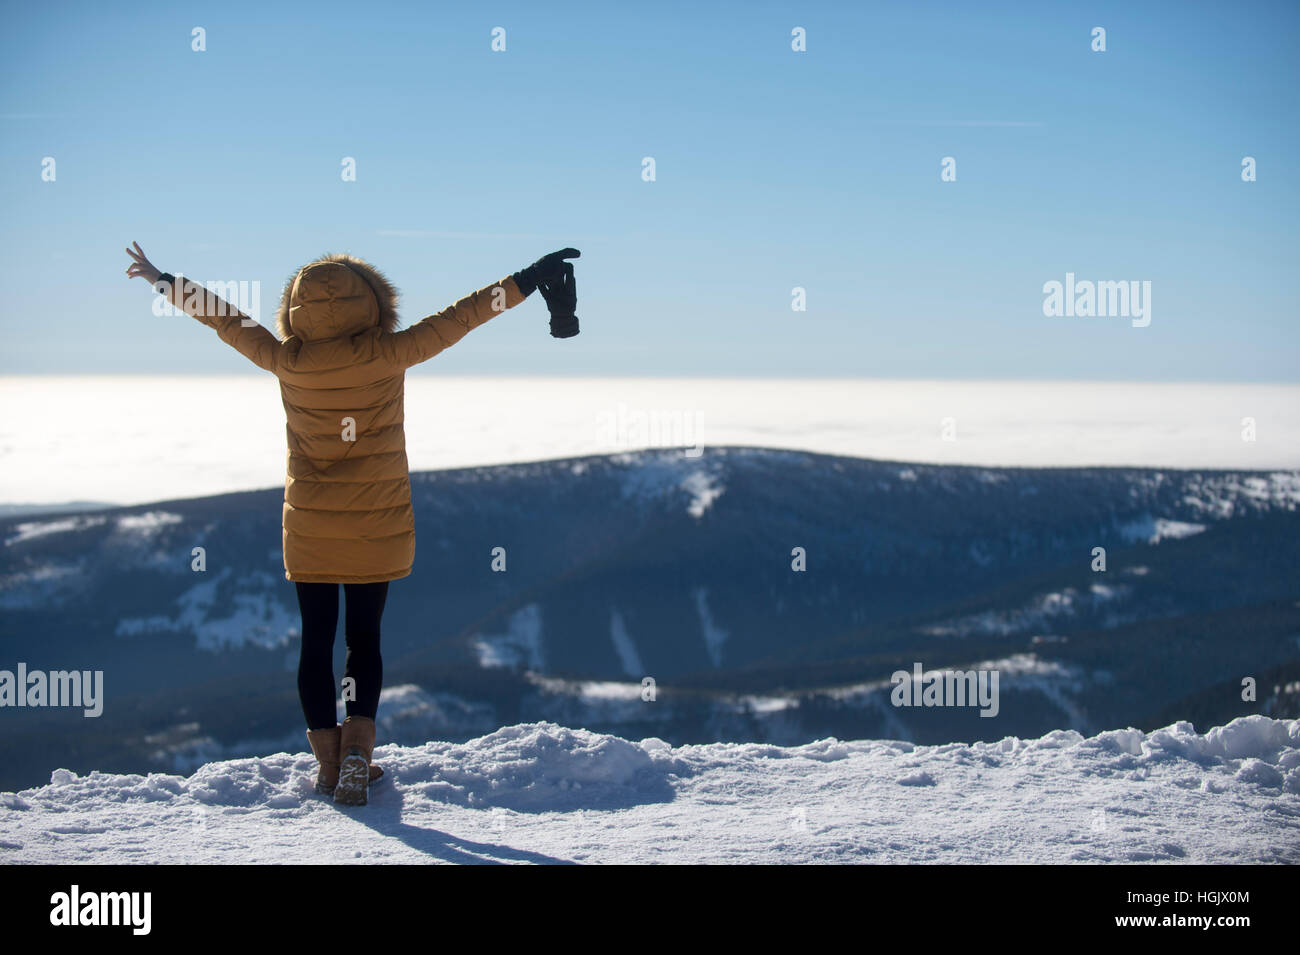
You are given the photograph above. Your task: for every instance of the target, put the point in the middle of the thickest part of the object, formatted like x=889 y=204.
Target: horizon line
x=532 y=376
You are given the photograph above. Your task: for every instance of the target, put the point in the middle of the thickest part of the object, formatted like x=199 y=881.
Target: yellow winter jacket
x=347 y=514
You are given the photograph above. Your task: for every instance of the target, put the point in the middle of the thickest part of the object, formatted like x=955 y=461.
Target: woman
x=347 y=515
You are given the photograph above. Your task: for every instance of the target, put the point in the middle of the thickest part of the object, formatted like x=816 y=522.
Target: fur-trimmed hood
x=336 y=295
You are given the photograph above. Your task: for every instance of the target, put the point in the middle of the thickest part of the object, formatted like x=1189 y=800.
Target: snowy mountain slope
x=654 y=564
x=541 y=793
x=651 y=552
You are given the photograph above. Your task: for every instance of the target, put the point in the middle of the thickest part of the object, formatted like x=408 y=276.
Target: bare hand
x=141 y=266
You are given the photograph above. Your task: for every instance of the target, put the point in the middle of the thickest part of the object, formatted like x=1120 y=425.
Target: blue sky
x=775 y=169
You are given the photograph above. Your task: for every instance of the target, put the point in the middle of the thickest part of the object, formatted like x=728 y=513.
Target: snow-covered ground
x=543 y=793
x=192 y=436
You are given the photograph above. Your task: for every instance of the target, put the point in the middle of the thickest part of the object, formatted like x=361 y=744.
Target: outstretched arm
x=440 y=331
x=233 y=327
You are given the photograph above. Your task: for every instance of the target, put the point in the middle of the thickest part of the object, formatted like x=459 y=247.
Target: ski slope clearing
x=542 y=793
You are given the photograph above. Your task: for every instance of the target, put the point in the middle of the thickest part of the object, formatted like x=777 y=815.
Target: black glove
x=554 y=277
x=545 y=269
x=562 y=301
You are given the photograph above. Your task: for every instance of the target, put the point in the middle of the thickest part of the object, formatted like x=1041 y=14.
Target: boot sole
x=354 y=781
x=329 y=790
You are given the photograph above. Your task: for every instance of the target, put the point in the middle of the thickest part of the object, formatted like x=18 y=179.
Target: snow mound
x=916 y=779
x=279 y=782
x=538 y=766
x=541 y=792
x=1249 y=737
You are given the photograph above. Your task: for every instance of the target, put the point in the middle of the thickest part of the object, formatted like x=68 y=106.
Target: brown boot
x=356 y=743
x=376 y=771
x=325 y=747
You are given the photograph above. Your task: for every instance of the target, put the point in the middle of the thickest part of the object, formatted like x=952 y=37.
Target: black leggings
x=319 y=604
